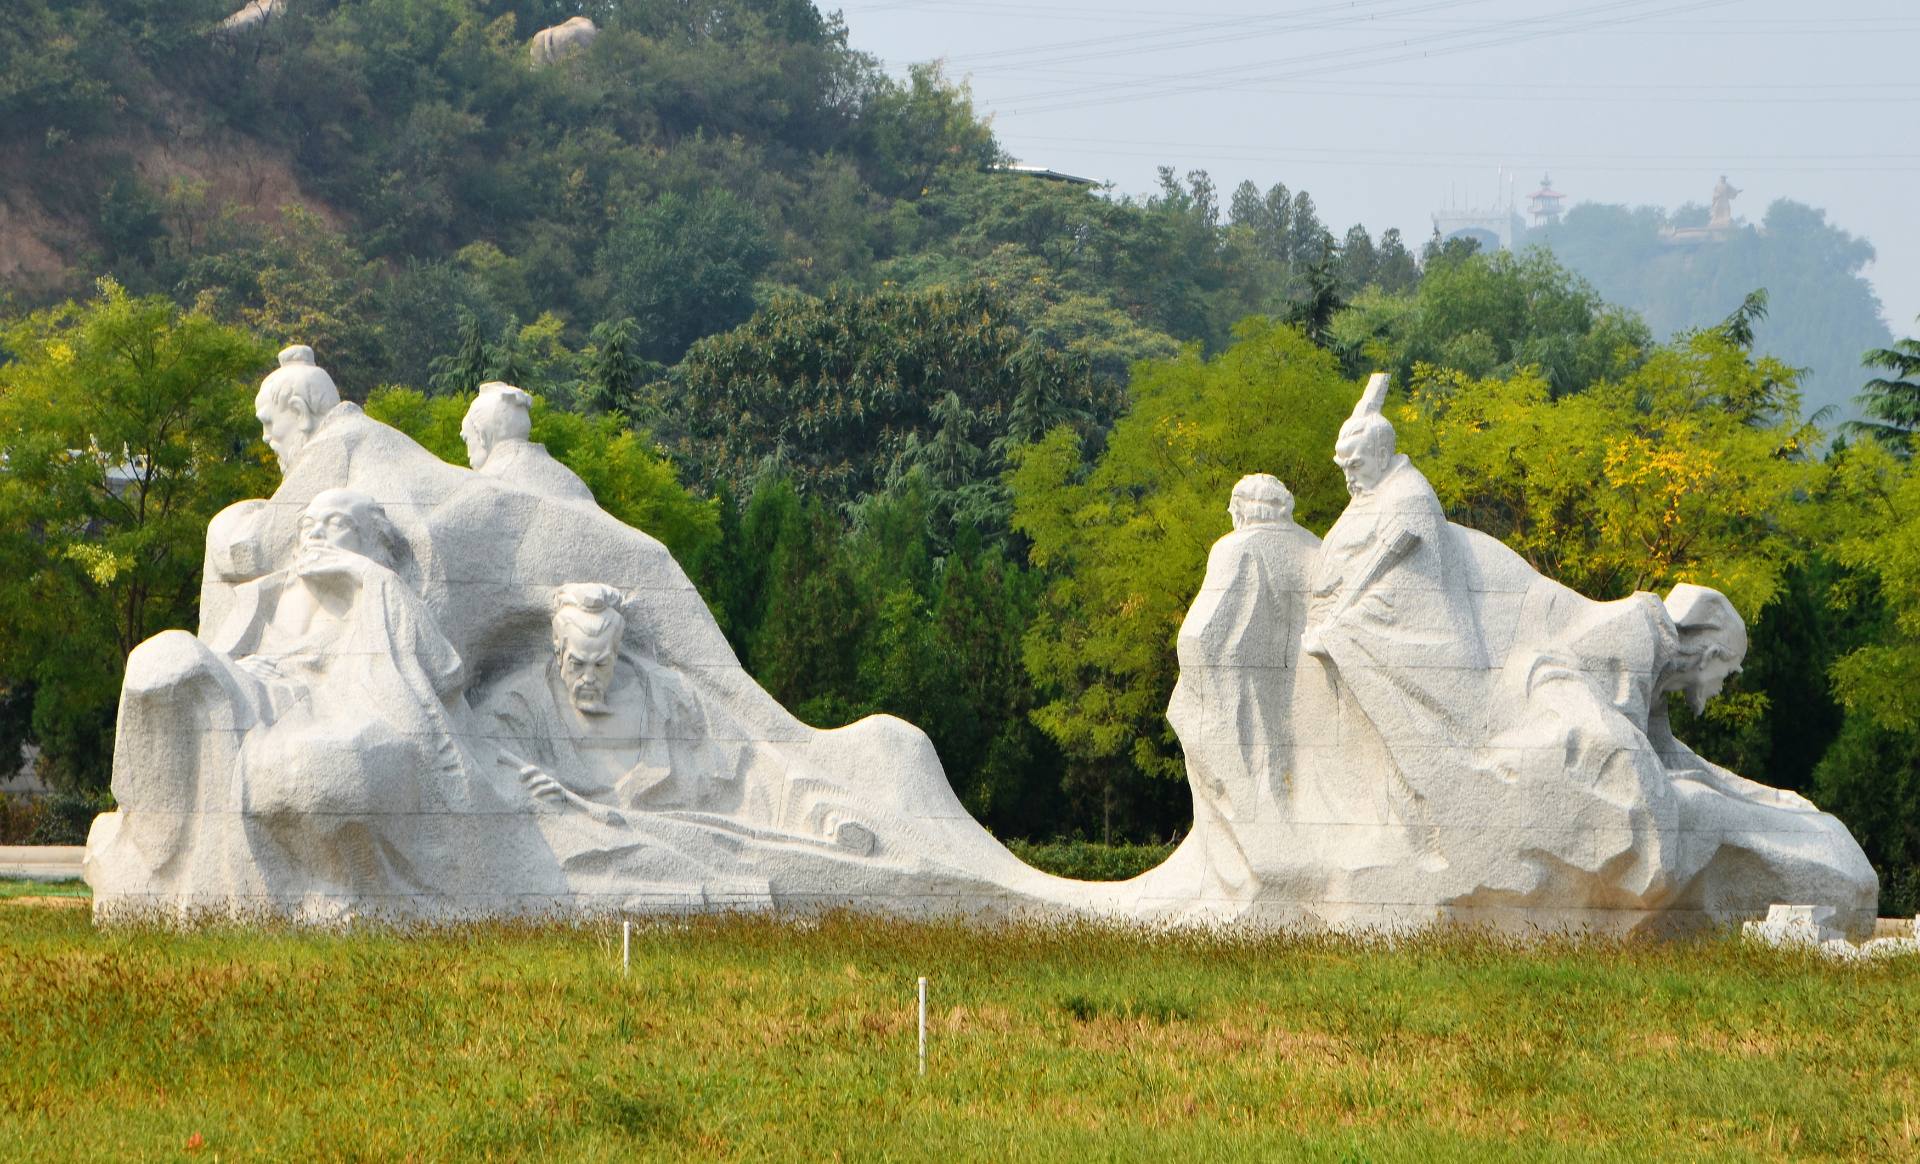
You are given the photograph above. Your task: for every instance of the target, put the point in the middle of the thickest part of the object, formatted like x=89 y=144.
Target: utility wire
x=1213 y=78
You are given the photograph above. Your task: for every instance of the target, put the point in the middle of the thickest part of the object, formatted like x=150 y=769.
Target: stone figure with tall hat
x=1390 y=614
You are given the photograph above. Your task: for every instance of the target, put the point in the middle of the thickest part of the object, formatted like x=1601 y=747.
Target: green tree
x=1491 y=315
x=1689 y=469
x=1892 y=402
x=842 y=392
x=684 y=267
x=125 y=425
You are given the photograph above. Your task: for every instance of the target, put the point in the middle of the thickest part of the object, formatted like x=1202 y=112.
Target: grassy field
x=741 y=1038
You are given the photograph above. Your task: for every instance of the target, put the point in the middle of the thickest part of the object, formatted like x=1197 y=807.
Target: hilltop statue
x=1720 y=217
x=572 y=35
x=422 y=690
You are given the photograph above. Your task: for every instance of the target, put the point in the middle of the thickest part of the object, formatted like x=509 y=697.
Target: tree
x=125 y=425
x=1687 y=470
x=1394 y=269
x=615 y=370
x=1873 y=514
x=1124 y=541
x=1490 y=316
x=1313 y=312
x=1357 y=261
x=1892 y=402
x=839 y=390
x=1824 y=312
x=684 y=267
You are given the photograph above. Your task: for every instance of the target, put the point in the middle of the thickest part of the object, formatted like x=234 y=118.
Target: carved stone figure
x=293 y=401
x=1237 y=668
x=562 y=40
x=608 y=726
x=496 y=431
x=327 y=711
x=1390 y=613
x=1465 y=739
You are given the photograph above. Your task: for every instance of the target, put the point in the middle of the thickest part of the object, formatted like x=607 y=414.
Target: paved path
x=41 y=862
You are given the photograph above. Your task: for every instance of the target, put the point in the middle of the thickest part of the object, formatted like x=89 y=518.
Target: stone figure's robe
x=1237 y=649
x=1591 y=814
x=526 y=465
x=1391 y=610
x=1609 y=812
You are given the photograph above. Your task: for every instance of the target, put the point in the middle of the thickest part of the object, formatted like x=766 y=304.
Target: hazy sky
x=1384 y=110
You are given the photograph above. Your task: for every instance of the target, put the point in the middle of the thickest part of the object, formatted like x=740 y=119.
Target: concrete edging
x=41 y=862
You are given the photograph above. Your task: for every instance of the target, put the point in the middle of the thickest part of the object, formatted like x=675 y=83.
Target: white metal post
x=923 y=1026
x=626 y=946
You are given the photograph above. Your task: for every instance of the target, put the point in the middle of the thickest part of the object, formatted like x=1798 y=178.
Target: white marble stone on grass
x=1794 y=925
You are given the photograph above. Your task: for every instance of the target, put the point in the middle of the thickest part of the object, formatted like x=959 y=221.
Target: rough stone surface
x=423 y=691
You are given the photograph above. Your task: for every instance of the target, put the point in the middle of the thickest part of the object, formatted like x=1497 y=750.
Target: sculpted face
x=285 y=427
x=471 y=432
x=586 y=669
x=330 y=521
x=1711 y=672
x=1362 y=459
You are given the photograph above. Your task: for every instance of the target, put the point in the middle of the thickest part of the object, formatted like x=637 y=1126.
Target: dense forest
x=933 y=437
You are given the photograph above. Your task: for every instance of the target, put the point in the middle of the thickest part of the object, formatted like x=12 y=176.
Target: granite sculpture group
x=427 y=692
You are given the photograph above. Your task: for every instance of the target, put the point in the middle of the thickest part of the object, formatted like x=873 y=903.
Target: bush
x=65 y=817
x=19 y=817
x=1090 y=860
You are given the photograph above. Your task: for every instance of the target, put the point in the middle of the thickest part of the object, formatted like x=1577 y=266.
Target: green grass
x=751 y=1039
x=18 y=887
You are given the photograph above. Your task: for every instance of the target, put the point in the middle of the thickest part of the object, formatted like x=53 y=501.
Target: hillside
x=1822 y=313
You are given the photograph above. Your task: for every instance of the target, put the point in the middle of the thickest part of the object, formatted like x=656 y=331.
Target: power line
x=1486 y=155
x=1322 y=16
x=1159 y=40
x=1213 y=78
x=1782 y=95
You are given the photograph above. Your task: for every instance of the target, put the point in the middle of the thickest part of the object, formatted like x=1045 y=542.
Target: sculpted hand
x=324 y=561
x=544 y=787
x=259 y=667
x=1312 y=644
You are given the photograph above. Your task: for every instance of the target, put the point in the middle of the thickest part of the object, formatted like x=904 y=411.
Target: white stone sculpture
x=1465 y=739
x=250 y=17
x=674 y=783
x=563 y=40
x=427 y=691
x=496 y=431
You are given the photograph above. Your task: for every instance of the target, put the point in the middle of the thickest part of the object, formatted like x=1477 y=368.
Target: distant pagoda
x=1544 y=204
